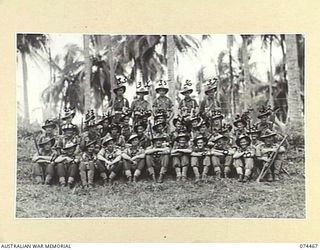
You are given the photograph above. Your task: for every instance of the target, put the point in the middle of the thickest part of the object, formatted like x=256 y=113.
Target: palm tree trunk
x=271 y=74
x=294 y=119
x=86 y=83
x=230 y=43
x=247 y=94
x=170 y=64
x=25 y=90
x=111 y=64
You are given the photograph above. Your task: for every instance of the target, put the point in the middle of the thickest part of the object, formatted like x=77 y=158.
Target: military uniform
x=87 y=164
x=44 y=167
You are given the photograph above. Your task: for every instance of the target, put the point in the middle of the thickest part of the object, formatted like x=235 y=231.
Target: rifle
x=59 y=124
x=38 y=151
x=267 y=165
x=81 y=127
x=151 y=133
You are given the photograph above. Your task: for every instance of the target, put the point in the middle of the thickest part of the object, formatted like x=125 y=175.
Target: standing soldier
x=265 y=151
x=240 y=126
x=209 y=103
x=87 y=164
x=43 y=160
x=264 y=116
x=188 y=106
x=109 y=160
x=140 y=107
x=157 y=155
x=119 y=103
x=134 y=159
x=200 y=158
x=221 y=156
x=181 y=156
x=69 y=114
x=244 y=158
x=163 y=103
x=194 y=126
x=67 y=164
x=48 y=128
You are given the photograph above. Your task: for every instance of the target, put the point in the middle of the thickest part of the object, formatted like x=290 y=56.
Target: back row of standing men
x=132 y=139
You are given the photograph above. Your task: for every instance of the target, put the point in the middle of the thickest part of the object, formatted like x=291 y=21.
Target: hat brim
x=122 y=87
x=158 y=124
x=195 y=140
x=240 y=121
x=52 y=140
x=264 y=114
x=130 y=140
x=210 y=89
x=91 y=143
x=52 y=125
x=73 y=146
x=145 y=92
x=162 y=138
x=142 y=125
x=67 y=116
x=267 y=136
x=166 y=89
x=217 y=117
x=186 y=91
x=182 y=136
x=104 y=143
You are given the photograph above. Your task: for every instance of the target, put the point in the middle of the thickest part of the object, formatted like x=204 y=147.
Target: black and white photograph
x=160 y=126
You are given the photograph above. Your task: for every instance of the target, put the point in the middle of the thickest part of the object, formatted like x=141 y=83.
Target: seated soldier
x=126 y=133
x=115 y=133
x=140 y=128
x=181 y=156
x=109 y=160
x=265 y=152
x=48 y=127
x=69 y=114
x=243 y=158
x=68 y=137
x=240 y=126
x=221 y=155
x=87 y=164
x=134 y=159
x=157 y=156
x=200 y=158
x=91 y=133
x=215 y=121
x=44 y=167
x=180 y=127
x=125 y=119
x=67 y=164
x=264 y=115
x=194 y=126
x=105 y=121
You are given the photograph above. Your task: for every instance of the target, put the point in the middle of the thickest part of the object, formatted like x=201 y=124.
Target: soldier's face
x=243 y=143
x=217 y=122
x=160 y=119
x=70 y=151
x=47 y=146
x=268 y=141
x=162 y=92
x=264 y=118
x=140 y=95
x=69 y=119
x=114 y=131
x=126 y=120
x=49 y=130
x=254 y=136
x=140 y=130
x=158 y=143
x=200 y=143
x=203 y=129
x=187 y=95
x=126 y=131
x=119 y=92
x=182 y=141
x=135 y=142
x=91 y=148
x=68 y=133
x=194 y=123
x=105 y=123
x=240 y=125
x=110 y=145
x=159 y=128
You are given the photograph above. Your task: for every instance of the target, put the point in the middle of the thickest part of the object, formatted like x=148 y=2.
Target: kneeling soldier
x=44 y=166
x=265 y=151
x=243 y=158
x=87 y=164
x=200 y=158
x=67 y=164
x=109 y=160
x=134 y=158
x=157 y=155
x=181 y=156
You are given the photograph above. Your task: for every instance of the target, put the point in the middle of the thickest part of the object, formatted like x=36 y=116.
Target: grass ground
x=217 y=198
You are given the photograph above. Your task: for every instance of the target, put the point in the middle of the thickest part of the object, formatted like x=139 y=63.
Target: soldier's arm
x=117 y=159
x=60 y=158
x=101 y=154
x=184 y=150
x=139 y=156
x=238 y=154
x=196 y=154
x=126 y=157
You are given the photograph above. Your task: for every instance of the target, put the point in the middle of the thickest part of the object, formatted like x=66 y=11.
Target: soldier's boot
x=152 y=174
x=178 y=174
x=217 y=171
x=269 y=177
x=227 y=171
x=160 y=179
x=136 y=175
x=112 y=177
x=90 y=178
x=38 y=179
x=62 y=181
x=276 y=177
x=247 y=175
x=196 y=174
x=83 y=177
x=240 y=177
x=104 y=178
x=70 y=182
x=48 y=180
x=128 y=175
x=184 y=173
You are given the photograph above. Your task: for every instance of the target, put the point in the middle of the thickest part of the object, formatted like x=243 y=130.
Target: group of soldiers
x=140 y=140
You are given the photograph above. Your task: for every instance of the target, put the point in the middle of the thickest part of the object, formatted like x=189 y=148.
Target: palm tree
x=294 y=101
x=27 y=44
x=170 y=65
x=86 y=82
